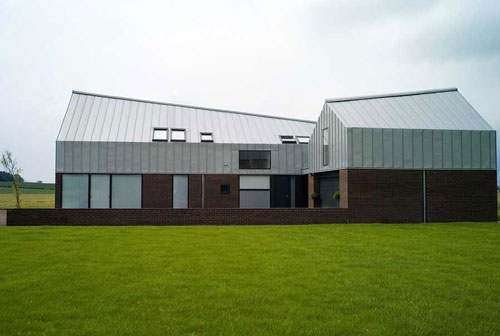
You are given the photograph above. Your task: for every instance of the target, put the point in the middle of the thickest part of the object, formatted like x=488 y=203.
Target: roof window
x=302 y=139
x=206 y=137
x=288 y=139
x=160 y=134
x=178 y=135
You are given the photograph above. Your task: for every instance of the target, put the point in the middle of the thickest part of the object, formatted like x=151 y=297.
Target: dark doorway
x=328 y=185
x=280 y=191
x=301 y=192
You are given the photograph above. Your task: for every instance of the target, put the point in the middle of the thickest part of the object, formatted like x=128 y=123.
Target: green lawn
x=433 y=279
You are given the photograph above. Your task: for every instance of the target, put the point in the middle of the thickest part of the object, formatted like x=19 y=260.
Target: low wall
x=117 y=217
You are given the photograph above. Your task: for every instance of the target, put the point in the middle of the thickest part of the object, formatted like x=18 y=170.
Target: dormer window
x=302 y=139
x=178 y=135
x=160 y=134
x=206 y=137
x=288 y=139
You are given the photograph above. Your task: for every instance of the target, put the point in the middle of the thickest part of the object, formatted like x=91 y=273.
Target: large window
x=99 y=191
x=254 y=159
x=255 y=191
x=75 y=191
x=325 y=147
x=126 y=191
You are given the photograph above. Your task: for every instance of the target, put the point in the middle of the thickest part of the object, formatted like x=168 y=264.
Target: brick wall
x=383 y=195
x=58 y=190
x=461 y=195
x=157 y=191
x=195 y=191
x=120 y=217
x=213 y=197
x=312 y=186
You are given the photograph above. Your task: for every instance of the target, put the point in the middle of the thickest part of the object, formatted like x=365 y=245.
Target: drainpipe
x=424 y=196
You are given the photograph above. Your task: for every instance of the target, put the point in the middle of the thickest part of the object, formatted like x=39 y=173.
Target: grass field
x=439 y=279
x=33 y=195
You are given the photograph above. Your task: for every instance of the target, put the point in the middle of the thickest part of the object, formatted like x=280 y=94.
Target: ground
x=420 y=279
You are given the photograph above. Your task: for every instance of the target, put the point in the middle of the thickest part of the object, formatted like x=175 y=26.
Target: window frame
x=172 y=130
x=160 y=129
x=260 y=151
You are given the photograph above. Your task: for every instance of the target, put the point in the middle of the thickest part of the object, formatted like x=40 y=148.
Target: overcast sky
x=271 y=57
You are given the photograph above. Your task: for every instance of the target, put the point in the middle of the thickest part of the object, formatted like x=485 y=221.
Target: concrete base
x=3 y=217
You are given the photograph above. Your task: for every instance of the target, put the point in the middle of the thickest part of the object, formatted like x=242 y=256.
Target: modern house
x=417 y=156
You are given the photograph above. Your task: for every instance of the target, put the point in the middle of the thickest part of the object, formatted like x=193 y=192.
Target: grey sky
x=272 y=57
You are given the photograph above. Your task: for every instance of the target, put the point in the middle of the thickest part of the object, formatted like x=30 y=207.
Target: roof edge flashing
x=389 y=95
x=190 y=106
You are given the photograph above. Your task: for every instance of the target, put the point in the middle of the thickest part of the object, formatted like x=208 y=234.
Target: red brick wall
x=195 y=191
x=383 y=195
x=312 y=186
x=157 y=191
x=58 y=191
x=213 y=197
x=461 y=195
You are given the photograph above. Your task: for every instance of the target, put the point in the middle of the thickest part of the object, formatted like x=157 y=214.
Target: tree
x=14 y=170
x=5 y=177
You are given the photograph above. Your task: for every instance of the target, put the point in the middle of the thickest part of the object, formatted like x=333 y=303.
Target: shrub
x=336 y=195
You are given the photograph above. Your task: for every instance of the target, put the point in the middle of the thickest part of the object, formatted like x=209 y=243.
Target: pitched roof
x=94 y=117
x=443 y=109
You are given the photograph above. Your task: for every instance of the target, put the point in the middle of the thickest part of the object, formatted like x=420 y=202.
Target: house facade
x=427 y=153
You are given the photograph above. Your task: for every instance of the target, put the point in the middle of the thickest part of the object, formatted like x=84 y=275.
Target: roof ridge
x=190 y=106
x=389 y=95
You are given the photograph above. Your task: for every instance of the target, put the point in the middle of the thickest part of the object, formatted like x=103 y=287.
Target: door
x=180 y=191
x=280 y=191
x=328 y=185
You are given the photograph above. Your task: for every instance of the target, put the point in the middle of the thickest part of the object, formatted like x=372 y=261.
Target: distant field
x=33 y=195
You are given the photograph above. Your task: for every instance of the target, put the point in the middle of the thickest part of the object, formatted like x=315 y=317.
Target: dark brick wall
x=157 y=191
x=213 y=197
x=122 y=217
x=383 y=195
x=195 y=191
x=461 y=195
x=58 y=191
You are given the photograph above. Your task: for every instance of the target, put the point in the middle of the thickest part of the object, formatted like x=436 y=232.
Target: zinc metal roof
x=94 y=117
x=444 y=109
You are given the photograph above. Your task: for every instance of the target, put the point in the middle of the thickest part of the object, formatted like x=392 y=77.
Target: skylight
x=178 y=135
x=160 y=134
x=288 y=139
x=206 y=137
x=303 y=139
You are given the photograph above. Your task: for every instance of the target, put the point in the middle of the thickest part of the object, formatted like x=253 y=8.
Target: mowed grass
x=429 y=279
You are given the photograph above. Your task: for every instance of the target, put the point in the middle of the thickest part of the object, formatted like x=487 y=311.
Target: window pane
x=255 y=199
x=99 y=191
x=126 y=191
x=255 y=159
x=178 y=135
x=254 y=182
x=325 y=147
x=75 y=191
x=160 y=135
x=303 y=139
